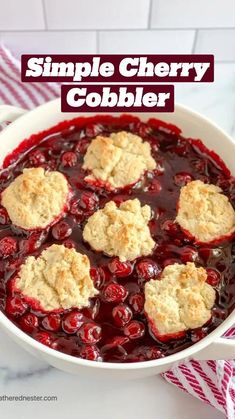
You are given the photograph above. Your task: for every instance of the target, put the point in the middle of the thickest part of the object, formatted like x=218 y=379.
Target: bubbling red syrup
x=114 y=327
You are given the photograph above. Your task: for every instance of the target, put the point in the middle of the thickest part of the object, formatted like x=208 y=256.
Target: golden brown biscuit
x=118 y=160
x=58 y=279
x=36 y=198
x=205 y=212
x=122 y=231
x=180 y=300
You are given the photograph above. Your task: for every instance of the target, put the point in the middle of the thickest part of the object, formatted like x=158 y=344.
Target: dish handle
x=10 y=113
x=222 y=348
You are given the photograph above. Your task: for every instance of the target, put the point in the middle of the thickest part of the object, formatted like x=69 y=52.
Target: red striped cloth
x=213 y=382
x=14 y=92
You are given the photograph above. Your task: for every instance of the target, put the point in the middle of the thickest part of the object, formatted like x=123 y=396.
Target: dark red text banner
x=113 y=98
x=117 y=68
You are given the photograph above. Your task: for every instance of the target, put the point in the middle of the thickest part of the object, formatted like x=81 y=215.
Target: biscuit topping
x=36 y=198
x=118 y=160
x=122 y=231
x=180 y=300
x=205 y=212
x=58 y=279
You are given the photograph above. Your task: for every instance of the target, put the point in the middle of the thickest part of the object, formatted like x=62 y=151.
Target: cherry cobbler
x=116 y=239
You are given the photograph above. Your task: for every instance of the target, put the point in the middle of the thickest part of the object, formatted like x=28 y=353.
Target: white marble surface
x=151 y=398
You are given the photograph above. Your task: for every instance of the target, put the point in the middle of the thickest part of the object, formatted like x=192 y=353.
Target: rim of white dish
x=174 y=358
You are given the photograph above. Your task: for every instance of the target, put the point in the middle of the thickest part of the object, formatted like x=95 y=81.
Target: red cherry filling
x=61 y=230
x=82 y=145
x=147 y=269
x=72 y=322
x=70 y=244
x=93 y=310
x=97 y=277
x=89 y=333
x=74 y=207
x=170 y=261
x=170 y=336
x=143 y=130
x=205 y=253
x=145 y=353
x=29 y=322
x=44 y=338
x=90 y=352
x=164 y=338
x=116 y=341
x=52 y=322
x=188 y=254
x=88 y=201
x=36 y=158
x=92 y=130
x=115 y=293
x=118 y=309
x=8 y=246
x=182 y=178
x=15 y=306
x=137 y=302
x=170 y=227
x=155 y=186
x=32 y=243
x=213 y=277
x=134 y=330
x=69 y=159
x=122 y=314
x=120 y=269
x=198 y=334
x=4 y=219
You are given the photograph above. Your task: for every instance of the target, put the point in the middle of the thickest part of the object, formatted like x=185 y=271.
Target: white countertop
x=151 y=398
